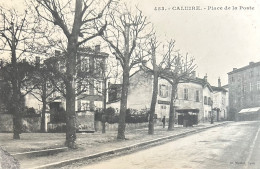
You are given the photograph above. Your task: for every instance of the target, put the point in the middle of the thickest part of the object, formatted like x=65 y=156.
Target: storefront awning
x=250 y=110
x=187 y=109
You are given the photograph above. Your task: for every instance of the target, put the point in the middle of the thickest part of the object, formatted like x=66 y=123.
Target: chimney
x=250 y=63
x=234 y=69
x=219 y=82
x=97 y=48
x=206 y=77
x=193 y=74
x=24 y=60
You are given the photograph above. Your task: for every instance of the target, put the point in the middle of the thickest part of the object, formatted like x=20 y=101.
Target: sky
x=218 y=39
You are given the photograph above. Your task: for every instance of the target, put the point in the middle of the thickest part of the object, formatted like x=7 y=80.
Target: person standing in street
x=163 y=121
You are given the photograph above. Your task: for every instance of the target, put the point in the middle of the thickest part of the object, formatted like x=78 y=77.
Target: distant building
x=244 y=91
x=220 y=101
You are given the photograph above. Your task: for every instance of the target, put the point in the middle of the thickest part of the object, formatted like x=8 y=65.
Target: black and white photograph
x=129 y=84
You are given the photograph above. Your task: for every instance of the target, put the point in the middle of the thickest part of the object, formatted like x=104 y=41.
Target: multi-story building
x=244 y=90
x=89 y=84
x=193 y=97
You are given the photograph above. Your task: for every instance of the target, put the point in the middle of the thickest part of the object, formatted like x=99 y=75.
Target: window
x=258 y=85
x=98 y=104
x=84 y=105
x=205 y=100
x=98 y=87
x=163 y=107
x=98 y=63
x=251 y=73
x=85 y=88
x=163 y=90
x=232 y=79
x=85 y=64
x=197 y=96
x=244 y=88
x=186 y=94
x=209 y=101
x=250 y=87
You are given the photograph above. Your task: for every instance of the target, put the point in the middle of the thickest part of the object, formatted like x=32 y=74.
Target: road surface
x=233 y=146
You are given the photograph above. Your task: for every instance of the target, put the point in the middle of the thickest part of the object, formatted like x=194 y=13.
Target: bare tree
x=177 y=69
x=17 y=33
x=108 y=72
x=155 y=71
x=125 y=30
x=171 y=67
x=42 y=92
x=75 y=19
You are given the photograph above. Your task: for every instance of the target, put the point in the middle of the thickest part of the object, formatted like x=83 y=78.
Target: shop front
x=187 y=116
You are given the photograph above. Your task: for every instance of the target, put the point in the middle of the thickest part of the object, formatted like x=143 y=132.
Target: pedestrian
x=163 y=121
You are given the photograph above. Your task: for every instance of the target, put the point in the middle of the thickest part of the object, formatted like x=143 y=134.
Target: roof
x=225 y=86
x=219 y=89
x=251 y=65
x=250 y=110
x=203 y=82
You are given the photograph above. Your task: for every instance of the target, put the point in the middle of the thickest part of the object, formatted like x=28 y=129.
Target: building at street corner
x=244 y=92
x=194 y=97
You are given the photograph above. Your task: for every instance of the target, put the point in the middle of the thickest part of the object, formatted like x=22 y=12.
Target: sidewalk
x=89 y=143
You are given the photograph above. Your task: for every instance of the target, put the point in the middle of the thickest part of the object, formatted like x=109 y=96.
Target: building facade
x=89 y=86
x=220 y=97
x=244 y=89
x=190 y=97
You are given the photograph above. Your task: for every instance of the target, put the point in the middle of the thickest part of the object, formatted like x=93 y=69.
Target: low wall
x=56 y=127
x=114 y=127
x=30 y=124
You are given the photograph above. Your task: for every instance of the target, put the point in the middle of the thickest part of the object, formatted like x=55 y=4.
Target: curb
x=80 y=159
x=40 y=153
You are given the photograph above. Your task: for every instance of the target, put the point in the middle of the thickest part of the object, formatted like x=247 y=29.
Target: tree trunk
x=104 y=106
x=72 y=49
x=124 y=93
x=155 y=91
x=153 y=103
x=16 y=100
x=70 y=95
x=70 y=116
x=44 y=104
x=16 y=110
x=123 y=105
x=172 y=108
